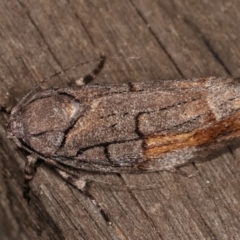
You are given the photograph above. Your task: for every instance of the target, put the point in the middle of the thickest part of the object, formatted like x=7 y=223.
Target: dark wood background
x=175 y=39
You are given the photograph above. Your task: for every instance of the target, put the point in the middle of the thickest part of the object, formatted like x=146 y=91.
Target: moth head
x=15 y=125
x=41 y=123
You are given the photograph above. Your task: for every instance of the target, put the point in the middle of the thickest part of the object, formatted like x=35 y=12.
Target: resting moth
x=140 y=126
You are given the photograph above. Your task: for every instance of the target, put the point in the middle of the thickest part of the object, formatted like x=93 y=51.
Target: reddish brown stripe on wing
x=226 y=129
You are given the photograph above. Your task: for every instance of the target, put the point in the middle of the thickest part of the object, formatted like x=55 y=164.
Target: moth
x=132 y=127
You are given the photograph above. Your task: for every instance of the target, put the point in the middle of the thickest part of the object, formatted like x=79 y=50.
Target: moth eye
x=15 y=127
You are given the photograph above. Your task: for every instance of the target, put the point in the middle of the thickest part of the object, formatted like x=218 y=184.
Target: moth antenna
x=90 y=77
x=52 y=76
x=87 y=79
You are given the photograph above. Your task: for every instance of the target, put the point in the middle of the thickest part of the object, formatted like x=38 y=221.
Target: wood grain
x=175 y=39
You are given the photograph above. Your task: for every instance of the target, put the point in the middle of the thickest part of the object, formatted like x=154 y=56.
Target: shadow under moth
x=141 y=126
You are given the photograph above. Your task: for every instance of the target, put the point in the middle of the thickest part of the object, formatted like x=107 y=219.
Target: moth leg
x=81 y=185
x=29 y=172
x=181 y=172
x=90 y=77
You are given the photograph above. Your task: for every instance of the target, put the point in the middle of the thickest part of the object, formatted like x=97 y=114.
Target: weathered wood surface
x=175 y=39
